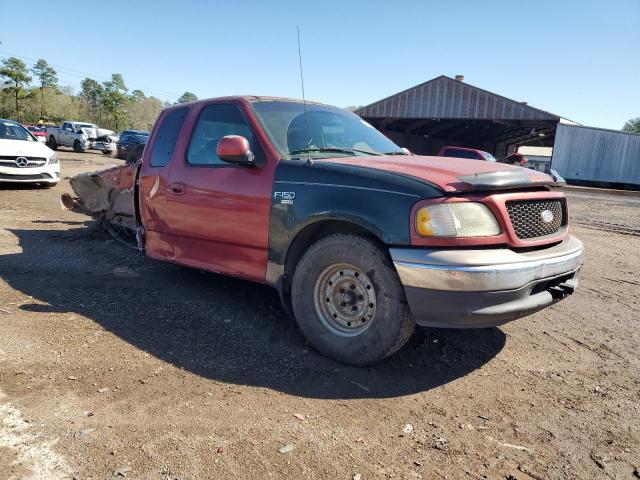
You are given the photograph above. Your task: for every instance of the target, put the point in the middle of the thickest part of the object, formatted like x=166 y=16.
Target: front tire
x=77 y=147
x=348 y=301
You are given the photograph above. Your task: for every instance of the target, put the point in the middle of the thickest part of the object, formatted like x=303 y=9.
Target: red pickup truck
x=361 y=239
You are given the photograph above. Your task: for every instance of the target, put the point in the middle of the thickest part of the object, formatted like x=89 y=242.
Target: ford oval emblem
x=547 y=216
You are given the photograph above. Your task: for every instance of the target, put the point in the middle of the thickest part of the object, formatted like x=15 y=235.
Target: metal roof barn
x=596 y=156
x=447 y=111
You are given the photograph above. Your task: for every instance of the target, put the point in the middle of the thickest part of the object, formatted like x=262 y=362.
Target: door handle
x=177 y=188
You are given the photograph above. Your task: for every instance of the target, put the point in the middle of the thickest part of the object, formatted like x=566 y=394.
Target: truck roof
x=251 y=98
x=77 y=121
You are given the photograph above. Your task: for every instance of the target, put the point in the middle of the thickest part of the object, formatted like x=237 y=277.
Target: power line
x=80 y=74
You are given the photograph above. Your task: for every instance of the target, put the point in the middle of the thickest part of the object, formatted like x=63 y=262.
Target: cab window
x=216 y=121
x=167 y=136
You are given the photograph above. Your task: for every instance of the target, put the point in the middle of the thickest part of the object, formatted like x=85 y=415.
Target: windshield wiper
x=396 y=152
x=333 y=150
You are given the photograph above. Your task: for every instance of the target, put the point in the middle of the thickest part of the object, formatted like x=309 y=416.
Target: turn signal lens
x=463 y=219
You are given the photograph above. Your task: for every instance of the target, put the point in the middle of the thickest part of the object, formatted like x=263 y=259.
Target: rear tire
x=77 y=147
x=53 y=145
x=348 y=301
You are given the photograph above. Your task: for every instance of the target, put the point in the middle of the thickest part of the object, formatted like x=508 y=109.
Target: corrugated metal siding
x=596 y=155
x=444 y=97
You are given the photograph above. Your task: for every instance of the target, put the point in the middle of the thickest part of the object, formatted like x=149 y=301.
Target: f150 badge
x=285 y=197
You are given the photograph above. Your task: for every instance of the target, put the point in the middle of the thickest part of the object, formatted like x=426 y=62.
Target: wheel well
x=311 y=234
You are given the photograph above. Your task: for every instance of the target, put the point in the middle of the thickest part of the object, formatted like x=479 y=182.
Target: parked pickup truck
x=361 y=240
x=81 y=137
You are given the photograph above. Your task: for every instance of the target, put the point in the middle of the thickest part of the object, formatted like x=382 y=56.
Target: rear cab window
x=165 y=140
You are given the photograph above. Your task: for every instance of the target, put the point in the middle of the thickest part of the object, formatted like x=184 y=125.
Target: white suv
x=25 y=160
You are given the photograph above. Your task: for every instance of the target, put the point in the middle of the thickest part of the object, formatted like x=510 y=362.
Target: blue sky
x=578 y=59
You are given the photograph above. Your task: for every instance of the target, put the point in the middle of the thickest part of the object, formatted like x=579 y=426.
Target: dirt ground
x=116 y=365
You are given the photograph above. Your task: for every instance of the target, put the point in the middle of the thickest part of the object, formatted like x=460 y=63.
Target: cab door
x=122 y=145
x=218 y=213
x=64 y=138
x=155 y=215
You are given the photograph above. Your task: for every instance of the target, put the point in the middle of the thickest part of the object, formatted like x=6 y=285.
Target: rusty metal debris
x=98 y=198
x=99 y=195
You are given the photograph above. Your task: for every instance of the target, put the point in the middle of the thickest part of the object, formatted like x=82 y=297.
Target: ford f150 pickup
x=361 y=239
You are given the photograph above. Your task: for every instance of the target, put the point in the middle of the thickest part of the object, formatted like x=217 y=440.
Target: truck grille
x=527 y=217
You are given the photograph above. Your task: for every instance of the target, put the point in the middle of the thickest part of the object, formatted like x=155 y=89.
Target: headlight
x=53 y=159
x=463 y=219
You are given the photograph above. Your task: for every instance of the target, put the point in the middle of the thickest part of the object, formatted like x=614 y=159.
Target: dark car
x=129 y=140
x=461 y=152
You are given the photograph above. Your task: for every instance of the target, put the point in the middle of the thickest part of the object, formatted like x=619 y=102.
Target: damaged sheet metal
x=100 y=195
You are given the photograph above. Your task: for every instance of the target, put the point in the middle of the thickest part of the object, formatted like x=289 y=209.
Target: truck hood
x=16 y=148
x=90 y=132
x=450 y=174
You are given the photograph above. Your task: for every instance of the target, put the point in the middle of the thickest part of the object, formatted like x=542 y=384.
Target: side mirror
x=234 y=149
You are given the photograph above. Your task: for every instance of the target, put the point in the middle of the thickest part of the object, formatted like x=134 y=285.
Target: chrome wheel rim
x=345 y=300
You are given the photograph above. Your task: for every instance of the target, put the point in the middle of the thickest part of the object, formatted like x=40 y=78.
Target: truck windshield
x=325 y=132
x=14 y=131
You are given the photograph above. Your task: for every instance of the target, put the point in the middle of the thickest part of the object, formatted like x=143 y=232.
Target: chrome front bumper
x=101 y=146
x=485 y=287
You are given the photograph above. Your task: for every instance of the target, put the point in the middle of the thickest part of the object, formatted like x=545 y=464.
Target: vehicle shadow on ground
x=219 y=327
x=21 y=186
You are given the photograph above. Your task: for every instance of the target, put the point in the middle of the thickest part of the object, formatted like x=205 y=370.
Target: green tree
x=66 y=106
x=632 y=126
x=144 y=113
x=4 y=98
x=47 y=78
x=17 y=75
x=187 y=97
x=115 y=99
x=137 y=96
x=91 y=94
